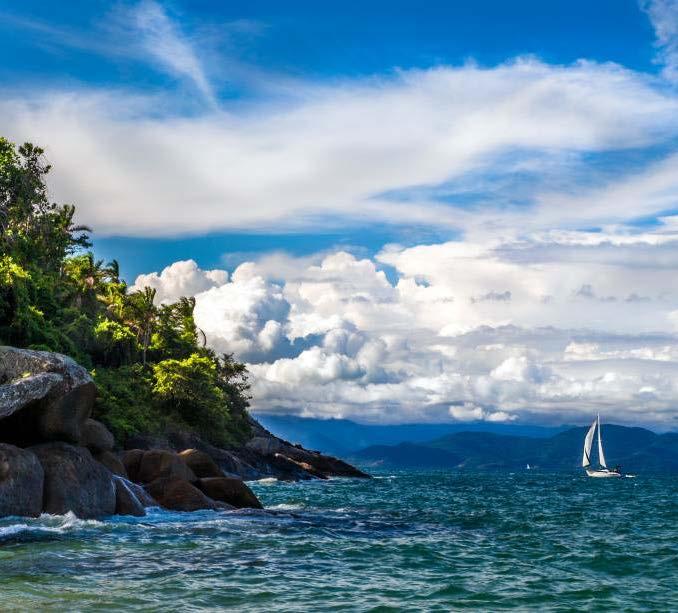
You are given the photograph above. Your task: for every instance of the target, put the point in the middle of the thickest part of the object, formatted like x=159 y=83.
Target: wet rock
x=200 y=463
x=21 y=482
x=96 y=437
x=177 y=494
x=126 y=502
x=231 y=491
x=112 y=462
x=43 y=396
x=74 y=481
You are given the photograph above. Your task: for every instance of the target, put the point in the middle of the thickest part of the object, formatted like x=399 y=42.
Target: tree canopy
x=153 y=370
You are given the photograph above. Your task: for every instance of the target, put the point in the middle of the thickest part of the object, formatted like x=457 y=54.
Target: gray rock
x=21 y=482
x=96 y=437
x=265 y=445
x=43 y=396
x=74 y=481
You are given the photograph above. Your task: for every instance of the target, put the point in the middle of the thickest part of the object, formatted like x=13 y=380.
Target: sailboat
x=602 y=470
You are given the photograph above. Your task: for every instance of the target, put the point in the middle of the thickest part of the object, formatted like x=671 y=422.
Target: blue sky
x=392 y=211
x=83 y=45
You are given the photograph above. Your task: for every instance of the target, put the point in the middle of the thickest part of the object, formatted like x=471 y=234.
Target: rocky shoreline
x=54 y=458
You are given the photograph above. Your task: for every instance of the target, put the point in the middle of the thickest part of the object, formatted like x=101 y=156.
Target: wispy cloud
x=664 y=17
x=335 y=149
x=143 y=33
x=170 y=47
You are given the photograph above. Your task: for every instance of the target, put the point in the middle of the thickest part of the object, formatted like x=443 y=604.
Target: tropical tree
x=144 y=314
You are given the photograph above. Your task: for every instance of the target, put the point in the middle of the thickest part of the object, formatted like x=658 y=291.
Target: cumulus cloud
x=179 y=279
x=470 y=412
x=332 y=336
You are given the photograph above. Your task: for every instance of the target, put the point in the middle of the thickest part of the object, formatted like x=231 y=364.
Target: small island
x=109 y=402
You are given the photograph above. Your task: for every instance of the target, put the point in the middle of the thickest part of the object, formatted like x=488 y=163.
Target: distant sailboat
x=603 y=470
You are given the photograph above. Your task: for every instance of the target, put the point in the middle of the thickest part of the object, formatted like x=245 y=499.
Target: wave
x=287 y=507
x=267 y=481
x=48 y=525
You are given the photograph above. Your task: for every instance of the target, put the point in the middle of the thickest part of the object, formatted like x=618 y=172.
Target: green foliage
x=149 y=360
x=115 y=343
x=125 y=401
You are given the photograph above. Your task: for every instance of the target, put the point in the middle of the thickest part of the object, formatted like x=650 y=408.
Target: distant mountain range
x=635 y=449
x=343 y=437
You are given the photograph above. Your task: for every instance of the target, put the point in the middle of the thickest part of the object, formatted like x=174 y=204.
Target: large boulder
x=131 y=460
x=200 y=463
x=178 y=494
x=126 y=501
x=96 y=437
x=159 y=463
x=21 y=482
x=231 y=491
x=74 y=481
x=112 y=462
x=43 y=396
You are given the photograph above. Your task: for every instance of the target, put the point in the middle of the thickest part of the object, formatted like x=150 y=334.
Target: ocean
x=434 y=541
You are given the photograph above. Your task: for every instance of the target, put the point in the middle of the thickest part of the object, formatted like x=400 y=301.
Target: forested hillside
x=150 y=362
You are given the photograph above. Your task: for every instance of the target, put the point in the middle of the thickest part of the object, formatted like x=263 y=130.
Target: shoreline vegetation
x=138 y=376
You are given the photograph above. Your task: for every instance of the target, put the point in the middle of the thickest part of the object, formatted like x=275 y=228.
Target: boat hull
x=602 y=474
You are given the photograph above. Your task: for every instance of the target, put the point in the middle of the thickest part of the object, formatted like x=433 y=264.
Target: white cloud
x=470 y=412
x=664 y=17
x=335 y=338
x=182 y=278
x=343 y=149
x=163 y=41
x=524 y=316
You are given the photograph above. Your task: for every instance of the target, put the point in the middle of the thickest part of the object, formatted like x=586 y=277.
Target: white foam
x=49 y=524
x=287 y=507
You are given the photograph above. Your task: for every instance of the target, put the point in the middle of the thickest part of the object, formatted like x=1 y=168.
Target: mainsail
x=588 y=443
x=601 y=456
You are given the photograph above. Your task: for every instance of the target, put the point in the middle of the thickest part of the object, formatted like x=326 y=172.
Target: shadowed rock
x=131 y=460
x=43 y=396
x=74 y=481
x=200 y=463
x=96 y=437
x=112 y=462
x=21 y=482
x=126 y=501
x=231 y=491
x=179 y=495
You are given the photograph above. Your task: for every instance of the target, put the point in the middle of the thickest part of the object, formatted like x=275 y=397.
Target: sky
x=393 y=212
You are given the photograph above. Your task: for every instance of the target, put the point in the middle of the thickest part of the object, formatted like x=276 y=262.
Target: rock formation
x=54 y=458
x=21 y=482
x=74 y=481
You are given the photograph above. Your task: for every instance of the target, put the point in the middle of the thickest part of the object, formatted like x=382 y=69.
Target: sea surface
x=434 y=541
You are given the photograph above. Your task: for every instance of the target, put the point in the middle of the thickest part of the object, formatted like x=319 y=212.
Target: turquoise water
x=403 y=541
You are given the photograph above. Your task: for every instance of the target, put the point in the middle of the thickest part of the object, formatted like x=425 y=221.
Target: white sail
x=601 y=455
x=588 y=443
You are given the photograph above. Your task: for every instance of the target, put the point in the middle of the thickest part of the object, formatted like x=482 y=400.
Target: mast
x=601 y=455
